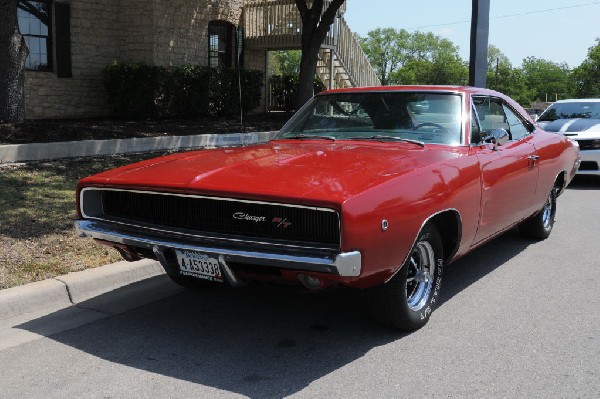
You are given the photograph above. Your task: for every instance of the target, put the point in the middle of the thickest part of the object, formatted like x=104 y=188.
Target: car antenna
x=239 y=39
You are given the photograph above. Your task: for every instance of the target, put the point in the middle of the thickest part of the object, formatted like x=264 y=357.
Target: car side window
x=518 y=130
x=495 y=114
x=491 y=113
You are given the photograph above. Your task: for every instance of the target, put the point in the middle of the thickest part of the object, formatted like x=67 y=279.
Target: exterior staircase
x=276 y=25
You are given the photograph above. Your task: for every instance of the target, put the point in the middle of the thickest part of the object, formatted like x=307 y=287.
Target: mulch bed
x=52 y=130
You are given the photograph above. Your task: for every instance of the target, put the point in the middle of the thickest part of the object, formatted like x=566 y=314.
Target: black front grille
x=226 y=217
x=589 y=144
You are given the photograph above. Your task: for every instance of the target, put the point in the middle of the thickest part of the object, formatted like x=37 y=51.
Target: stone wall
x=94 y=44
x=149 y=31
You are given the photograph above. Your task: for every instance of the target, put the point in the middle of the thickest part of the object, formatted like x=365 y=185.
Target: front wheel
x=408 y=299
x=539 y=226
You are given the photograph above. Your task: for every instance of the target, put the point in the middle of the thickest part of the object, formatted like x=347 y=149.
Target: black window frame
x=49 y=66
x=216 y=30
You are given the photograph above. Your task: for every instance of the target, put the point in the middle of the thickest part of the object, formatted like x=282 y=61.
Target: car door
x=509 y=172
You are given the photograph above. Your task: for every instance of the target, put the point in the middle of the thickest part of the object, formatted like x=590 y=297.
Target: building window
x=35 y=25
x=220 y=44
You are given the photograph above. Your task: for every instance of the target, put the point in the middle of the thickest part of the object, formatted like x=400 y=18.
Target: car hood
x=322 y=172
x=583 y=127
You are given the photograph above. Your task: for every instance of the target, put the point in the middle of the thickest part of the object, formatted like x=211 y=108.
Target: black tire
x=539 y=226
x=408 y=299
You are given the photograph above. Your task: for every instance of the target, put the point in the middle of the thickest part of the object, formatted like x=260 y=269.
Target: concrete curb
x=70 y=149
x=32 y=300
x=27 y=302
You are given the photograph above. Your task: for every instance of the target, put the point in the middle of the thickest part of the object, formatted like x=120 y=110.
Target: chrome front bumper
x=346 y=264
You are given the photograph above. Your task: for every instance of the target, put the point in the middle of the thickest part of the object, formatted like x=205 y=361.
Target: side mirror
x=498 y=137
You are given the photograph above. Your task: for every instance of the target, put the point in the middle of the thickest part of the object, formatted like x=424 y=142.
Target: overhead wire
x=510 y=15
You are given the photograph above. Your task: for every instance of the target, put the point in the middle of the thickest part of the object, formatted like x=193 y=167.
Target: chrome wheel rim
x=547 y=211
x=420 y=273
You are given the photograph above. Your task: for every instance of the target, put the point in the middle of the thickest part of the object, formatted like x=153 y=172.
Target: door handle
x=532 y=159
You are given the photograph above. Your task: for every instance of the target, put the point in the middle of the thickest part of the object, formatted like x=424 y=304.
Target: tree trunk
x=306 y=80
x=314 y=31
x=13 y=52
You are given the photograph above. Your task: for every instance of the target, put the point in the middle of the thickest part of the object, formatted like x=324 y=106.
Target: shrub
x=139 y=90
x=186 y=91
x=133 y=88
x=284 y=89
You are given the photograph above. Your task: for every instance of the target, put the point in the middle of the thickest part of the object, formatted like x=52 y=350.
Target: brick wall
x=150 y=31
x=94 y=44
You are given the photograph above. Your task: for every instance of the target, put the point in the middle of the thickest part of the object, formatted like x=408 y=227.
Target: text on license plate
x=199 y=265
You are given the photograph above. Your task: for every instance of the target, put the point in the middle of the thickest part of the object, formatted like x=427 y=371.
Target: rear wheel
x=539 y=226
x=408 y=299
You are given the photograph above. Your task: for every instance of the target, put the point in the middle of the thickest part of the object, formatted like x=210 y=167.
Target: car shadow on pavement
x=260 y=341
x=480 y=262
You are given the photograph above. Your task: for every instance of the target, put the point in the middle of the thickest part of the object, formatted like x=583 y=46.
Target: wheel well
x=559 y=183
x=449 y=225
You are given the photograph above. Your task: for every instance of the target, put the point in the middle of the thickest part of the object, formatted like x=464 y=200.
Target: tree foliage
x=547 y=80
x=585 y=79
x=284 y=62
x=400 y=57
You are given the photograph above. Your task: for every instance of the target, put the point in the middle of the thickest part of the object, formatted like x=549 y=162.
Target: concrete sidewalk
x=65 y=302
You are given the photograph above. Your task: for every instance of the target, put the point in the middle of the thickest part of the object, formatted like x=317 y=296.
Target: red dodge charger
x=374 y=188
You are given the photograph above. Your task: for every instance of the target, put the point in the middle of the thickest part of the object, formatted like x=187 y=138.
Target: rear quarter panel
x=557 y=155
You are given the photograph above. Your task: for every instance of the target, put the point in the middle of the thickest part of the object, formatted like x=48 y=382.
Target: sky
x=555 y=30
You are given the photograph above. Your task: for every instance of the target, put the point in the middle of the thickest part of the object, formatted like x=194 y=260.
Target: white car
x=578 y=119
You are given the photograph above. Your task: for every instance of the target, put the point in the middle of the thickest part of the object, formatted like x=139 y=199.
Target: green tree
x=284 y=62
x=400 y=57
x=385 y=49
x=585 y=79
x=503 y=77
x=548 y=80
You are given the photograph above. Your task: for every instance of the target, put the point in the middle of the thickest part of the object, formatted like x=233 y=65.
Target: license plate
x=198 y=265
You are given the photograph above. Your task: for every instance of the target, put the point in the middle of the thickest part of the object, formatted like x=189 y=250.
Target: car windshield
x=588 y=110
x=412 y=116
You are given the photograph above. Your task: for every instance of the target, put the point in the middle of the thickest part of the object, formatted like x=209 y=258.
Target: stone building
x=71 y=41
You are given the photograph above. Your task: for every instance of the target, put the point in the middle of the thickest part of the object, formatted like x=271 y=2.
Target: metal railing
x=276 y=24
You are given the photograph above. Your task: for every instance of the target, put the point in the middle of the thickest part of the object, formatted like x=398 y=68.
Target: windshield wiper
x=381 y=137
x=308 y=136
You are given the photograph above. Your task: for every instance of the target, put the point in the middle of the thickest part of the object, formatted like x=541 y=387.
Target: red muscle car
x=373 y=188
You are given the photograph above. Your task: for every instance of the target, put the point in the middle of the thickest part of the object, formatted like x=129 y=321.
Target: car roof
x=445 y=88
x=578 y=100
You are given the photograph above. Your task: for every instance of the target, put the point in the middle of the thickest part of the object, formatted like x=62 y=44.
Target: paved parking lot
x=518 y=319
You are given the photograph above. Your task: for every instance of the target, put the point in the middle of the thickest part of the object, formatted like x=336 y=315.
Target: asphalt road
x=519 y=319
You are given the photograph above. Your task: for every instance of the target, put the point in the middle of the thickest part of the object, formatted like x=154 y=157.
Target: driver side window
x=516 y=126
x=495 y=114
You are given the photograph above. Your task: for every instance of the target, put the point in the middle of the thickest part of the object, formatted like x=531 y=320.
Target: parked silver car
x=580 y=120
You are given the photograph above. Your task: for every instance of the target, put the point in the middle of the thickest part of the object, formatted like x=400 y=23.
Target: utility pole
x=480 y=28
x=496 y=77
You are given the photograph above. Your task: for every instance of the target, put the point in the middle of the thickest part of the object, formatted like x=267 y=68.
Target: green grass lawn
x=37 y=210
